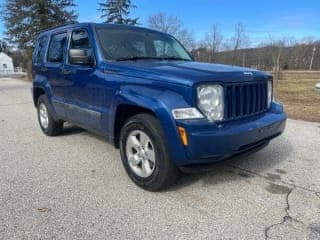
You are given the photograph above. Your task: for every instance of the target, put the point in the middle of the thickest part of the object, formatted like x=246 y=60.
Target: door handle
x=44 y=69
x=67 y=72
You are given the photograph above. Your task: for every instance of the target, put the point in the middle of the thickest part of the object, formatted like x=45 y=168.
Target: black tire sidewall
x=53 y=127
x=154 y=181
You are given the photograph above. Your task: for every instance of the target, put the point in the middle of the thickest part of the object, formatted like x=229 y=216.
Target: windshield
x=124 y=44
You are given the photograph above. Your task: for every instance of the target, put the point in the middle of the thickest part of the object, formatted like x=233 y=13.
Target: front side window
x=80 y=40
x=57 y=48
x=123 y=44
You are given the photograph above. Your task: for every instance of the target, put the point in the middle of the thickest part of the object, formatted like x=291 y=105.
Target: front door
x=86 y=94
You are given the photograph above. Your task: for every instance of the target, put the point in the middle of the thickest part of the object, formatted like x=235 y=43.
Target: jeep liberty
x=142 y=91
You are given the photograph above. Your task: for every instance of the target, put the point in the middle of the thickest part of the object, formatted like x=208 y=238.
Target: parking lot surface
x=74 y=186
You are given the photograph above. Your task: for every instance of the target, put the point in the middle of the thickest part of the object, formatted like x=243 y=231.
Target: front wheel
x=145 y=154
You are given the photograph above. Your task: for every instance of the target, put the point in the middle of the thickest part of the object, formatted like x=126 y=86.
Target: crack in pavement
x=287 y=207
x=289 y=217
x=285 y=218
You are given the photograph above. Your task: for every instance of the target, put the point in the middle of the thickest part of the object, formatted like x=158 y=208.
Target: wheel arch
x=37 y=92
x=43 y=88
x=123 y=113
x=131 y=101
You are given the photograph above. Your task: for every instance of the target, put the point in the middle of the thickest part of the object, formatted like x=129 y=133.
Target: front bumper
x=211 y=142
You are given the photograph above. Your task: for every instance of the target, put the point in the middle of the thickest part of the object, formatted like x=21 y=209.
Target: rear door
x=38 y=57
x=39 y=75
x=53 y=69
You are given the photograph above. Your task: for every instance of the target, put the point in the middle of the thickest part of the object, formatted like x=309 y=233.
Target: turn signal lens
x=186 y=113
x=183 y=136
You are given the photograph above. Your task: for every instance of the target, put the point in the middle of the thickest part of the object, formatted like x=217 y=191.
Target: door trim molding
x=73 y=107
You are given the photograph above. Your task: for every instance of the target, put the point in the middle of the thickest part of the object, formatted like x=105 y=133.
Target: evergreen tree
x=24 y=19
x=4 y=47
x=117 y=11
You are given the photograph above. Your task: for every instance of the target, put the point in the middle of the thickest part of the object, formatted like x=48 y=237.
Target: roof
x=123 y=26
x=4 y=56
x=107 y=25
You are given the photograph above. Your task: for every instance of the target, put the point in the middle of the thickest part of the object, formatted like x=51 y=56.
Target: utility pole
x=312 y=56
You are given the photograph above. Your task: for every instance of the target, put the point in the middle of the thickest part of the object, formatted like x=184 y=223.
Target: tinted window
x=57 y=48
x=40 y=50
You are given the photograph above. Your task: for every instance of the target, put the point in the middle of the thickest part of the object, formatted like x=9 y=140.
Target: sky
x=261 y=18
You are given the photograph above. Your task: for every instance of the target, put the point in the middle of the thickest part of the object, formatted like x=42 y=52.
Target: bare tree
x=276 y=52
x=299 y=54
x=213 y=41
x=238 y=41
x=239 y=37
x=174 y=26
x=312 y=57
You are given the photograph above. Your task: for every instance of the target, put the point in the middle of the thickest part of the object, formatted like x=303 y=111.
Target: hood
x=187 y=73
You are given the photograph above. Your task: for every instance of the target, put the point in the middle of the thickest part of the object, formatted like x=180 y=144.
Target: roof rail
x=61 y=25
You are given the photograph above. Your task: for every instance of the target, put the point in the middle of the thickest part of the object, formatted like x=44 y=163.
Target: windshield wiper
x=136 y=58
x=151 y=58
x=176 y=58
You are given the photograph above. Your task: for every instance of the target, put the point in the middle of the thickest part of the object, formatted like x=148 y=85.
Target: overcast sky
x=280 y=18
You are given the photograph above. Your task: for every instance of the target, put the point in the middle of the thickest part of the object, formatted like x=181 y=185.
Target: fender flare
x=160 y=102
x=45 y=87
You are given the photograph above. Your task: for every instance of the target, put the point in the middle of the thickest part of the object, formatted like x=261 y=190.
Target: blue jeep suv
x=142 y=90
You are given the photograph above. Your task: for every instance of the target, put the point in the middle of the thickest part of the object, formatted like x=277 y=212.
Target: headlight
x=210 y=101
x=270 y=93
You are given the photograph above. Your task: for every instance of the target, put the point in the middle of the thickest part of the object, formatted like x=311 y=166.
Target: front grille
x=245 y=99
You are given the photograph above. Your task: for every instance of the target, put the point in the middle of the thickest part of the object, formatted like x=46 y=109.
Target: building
x=6 y=64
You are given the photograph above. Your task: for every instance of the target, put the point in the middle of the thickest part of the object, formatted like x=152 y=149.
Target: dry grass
x=300 y=99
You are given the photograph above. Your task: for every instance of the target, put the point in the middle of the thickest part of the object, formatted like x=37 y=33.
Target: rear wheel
x=145 y=154
x=48 y=125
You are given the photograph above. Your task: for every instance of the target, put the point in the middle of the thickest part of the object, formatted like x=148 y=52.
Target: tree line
x=24 y=19
x=284 y=54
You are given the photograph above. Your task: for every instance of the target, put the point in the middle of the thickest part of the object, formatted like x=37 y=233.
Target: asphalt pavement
x=74 y=186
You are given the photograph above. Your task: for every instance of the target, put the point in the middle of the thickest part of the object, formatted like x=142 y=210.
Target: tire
x=153 y=154
x=48 y=125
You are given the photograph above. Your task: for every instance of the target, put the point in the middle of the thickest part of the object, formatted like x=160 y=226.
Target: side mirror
x=81 y=57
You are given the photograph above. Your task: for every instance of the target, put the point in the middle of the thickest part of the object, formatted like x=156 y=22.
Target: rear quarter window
x=40 y=50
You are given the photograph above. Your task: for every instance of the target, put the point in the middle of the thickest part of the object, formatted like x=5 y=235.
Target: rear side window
x=57 y=48
x=40 y=50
